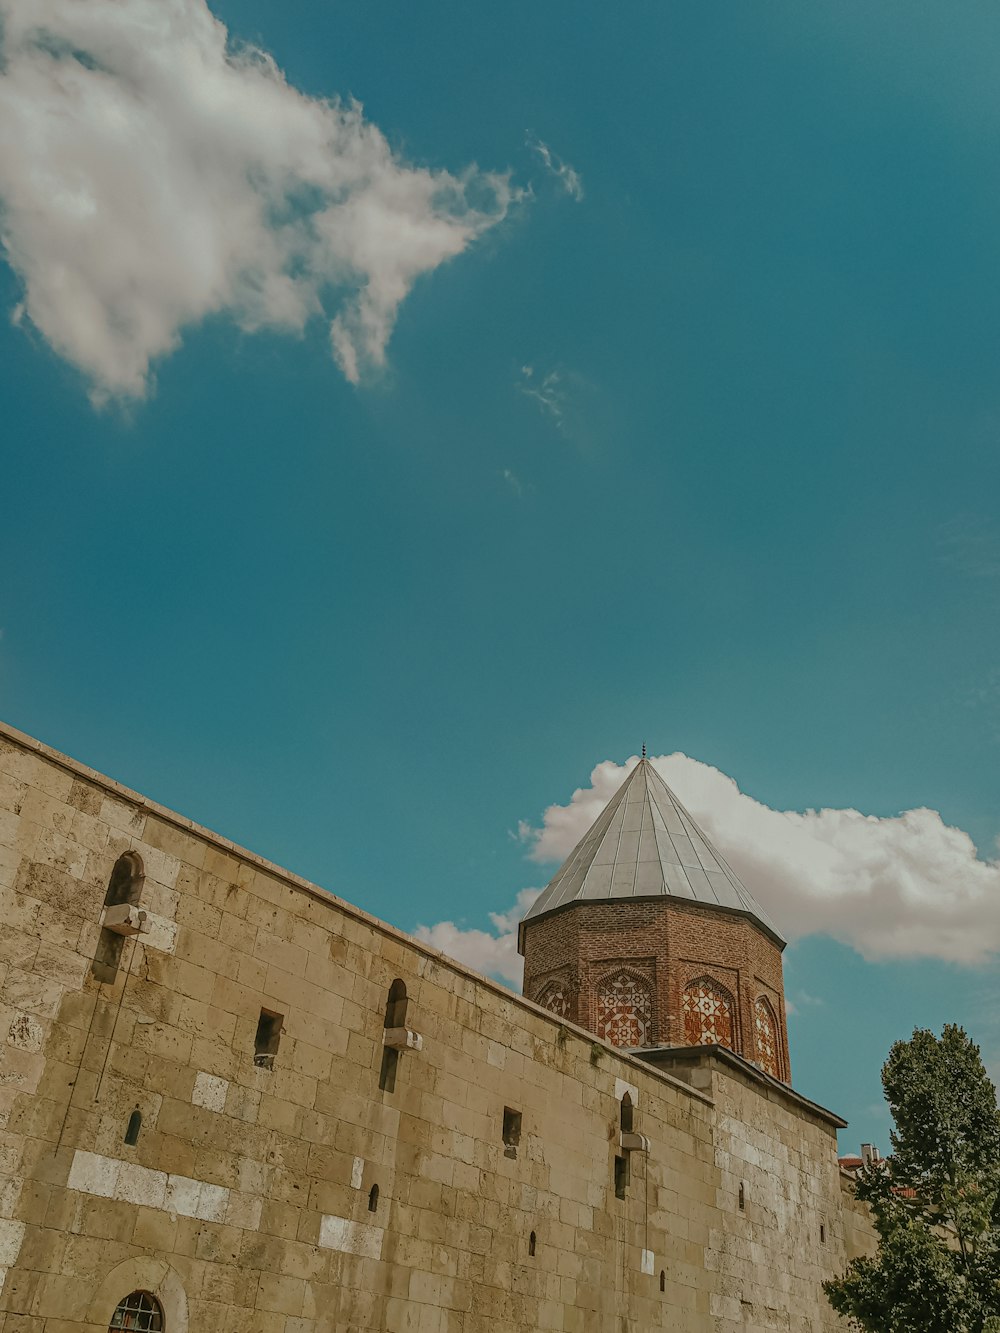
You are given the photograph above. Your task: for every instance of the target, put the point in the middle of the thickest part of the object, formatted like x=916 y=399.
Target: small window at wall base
x=140 y=1311
x=531 y=1246
x=621 y=1175
x=373 y=1199
x=743 y=1196
x=134 y=1126
x=265 y=1046
x=511 y=1131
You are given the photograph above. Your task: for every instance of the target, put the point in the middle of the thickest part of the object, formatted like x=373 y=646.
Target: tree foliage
x=935 y=1202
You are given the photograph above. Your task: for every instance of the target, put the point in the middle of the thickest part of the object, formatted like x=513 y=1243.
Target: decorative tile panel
x=625 y=1010
x=766 y=1037
x=554 y=996
x=709 y=1014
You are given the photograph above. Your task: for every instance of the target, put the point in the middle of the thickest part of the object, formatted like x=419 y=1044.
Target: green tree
x=935 y=1202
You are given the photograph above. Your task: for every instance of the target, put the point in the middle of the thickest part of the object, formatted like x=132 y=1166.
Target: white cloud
x=907 y=886
x=152 y=174
x=545 y=390
x=494 y=953
x=513 y=481
x=562 y=171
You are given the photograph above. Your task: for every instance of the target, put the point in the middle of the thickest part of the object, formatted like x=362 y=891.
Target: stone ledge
x=690 y=1057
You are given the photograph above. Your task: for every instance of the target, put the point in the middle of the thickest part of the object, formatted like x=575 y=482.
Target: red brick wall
x=668 y=942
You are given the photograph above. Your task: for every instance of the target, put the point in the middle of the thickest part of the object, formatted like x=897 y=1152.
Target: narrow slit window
x=373 y=1199
x=663 y=1280
x=387 y=1074
x=743 y=1196
x=621 y=1176
x=134 y=1126
x=822 y=1234
x=511 y=1131
x=627 y=1116
x=265 y=1046
x=531 y=1246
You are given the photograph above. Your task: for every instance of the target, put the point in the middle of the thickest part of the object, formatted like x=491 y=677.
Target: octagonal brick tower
x=646 y=936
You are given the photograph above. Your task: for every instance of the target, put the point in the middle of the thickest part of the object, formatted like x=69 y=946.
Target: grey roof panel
x=644 y=843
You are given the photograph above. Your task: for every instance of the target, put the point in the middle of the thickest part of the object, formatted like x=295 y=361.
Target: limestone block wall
x=246 y=1203
x=785 y=1220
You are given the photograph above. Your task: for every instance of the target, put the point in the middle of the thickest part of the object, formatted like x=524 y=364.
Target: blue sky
x=364 y=550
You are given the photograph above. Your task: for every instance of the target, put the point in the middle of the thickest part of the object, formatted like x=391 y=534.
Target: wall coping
x=327 y=898
x=703 y=1055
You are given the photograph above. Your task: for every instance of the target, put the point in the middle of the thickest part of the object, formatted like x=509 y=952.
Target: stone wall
x=781 y=1195
x=246 y=1202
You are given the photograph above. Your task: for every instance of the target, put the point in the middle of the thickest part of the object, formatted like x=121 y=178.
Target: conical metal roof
x=644 y=844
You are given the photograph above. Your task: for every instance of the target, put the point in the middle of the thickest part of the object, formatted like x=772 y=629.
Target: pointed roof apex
x=644 y=845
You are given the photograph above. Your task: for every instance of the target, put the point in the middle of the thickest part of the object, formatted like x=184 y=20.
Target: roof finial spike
x=644 y=749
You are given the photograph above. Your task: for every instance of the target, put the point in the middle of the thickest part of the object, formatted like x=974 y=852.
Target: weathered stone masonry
x=246 y=1204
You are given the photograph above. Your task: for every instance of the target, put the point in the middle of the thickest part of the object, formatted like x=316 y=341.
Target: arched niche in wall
x=766 y=1043
x=709 y=1014
x=124 y=886
x=142 y=1274
x=554 y=995
x=625 y=1008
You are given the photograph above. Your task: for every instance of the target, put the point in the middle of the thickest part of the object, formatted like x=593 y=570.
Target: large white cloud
x=907 y=886
x=493 y=952
x=152 y=174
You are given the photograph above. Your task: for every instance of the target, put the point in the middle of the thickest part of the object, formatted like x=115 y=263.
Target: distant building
x=647 y=937
x=233 y=1103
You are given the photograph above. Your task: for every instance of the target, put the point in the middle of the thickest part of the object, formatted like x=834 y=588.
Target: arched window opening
x=625 y=1010
x=709 y=1014
x=531 y=1245
x=766 y=1036
x=395 y=1008
x=134 y=1126
x=663 y=1280
x=373 y=1199
x=125 y=884
x=140 y=1311
x=743 y=1196
x=626 y=1114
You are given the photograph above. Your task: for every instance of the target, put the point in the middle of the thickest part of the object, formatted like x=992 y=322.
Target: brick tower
x=646 y=936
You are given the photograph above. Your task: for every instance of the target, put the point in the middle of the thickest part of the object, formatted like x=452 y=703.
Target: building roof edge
x=11 y=733
x=695 y=1054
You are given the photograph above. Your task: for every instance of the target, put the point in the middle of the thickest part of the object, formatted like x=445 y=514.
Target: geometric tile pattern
x=554 y=998
x=708 y=1014
x=767 y=1037
x=625 y=1010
